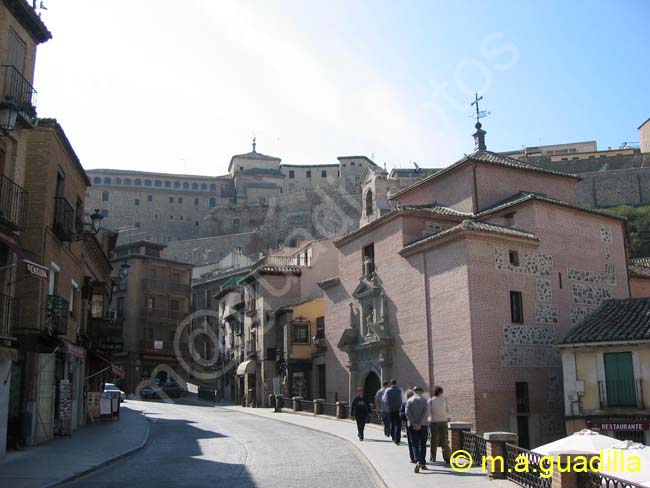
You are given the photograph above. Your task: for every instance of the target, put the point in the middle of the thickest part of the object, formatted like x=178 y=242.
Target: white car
x=112 y=387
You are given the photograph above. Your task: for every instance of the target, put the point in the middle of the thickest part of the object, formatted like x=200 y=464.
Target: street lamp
x=8 y=115
x=96 y=220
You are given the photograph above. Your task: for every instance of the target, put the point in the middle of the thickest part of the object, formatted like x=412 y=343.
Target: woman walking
x=360 y=411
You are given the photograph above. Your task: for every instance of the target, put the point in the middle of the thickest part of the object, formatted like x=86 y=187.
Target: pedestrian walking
x=393 y=397
x=360 y=411
x=438 y=418
x=402 y=414
x=380 y=406
x=416 y=415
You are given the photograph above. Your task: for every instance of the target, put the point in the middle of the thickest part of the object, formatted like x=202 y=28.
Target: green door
x=621 y=391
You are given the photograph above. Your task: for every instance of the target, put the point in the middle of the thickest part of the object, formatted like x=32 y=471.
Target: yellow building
x=301 y=349
x=606 y=368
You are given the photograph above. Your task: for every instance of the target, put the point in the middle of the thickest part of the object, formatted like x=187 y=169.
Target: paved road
x=196 y=446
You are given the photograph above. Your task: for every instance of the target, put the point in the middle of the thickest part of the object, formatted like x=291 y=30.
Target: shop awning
x=76 y=351
x=32 y=267
x=247 y=367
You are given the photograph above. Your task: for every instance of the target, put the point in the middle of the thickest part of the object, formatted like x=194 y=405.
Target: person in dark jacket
x=360 y=411
x=393 y=397
x=402 y=414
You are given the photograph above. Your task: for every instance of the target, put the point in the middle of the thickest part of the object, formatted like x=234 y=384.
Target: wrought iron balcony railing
x=8 y=316
x=149 y=284
x=163 y=314
x=621 y=394
x=13 y=203
x=17 y=89
x=58 y=310
x=64 y=220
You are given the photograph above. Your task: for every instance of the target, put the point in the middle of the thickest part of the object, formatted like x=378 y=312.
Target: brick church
x=466 y=279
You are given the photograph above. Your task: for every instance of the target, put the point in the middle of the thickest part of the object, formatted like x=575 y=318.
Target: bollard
x=341 y=410
x=278 y=403
x=455 y=436
x=318 y=406
x=297 y=406
x=495 y=446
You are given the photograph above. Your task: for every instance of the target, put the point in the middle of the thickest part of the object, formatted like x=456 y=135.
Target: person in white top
x=438 y=418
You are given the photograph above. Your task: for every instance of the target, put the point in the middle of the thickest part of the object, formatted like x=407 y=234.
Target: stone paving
x=63 y=458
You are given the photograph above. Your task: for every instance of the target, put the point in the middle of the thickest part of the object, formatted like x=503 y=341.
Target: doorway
x=371 y=386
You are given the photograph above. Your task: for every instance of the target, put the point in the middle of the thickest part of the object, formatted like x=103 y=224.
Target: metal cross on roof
x=479 y=113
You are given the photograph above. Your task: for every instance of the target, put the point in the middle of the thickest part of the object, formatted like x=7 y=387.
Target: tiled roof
x=639 y=268
x=470 y=226
x=271 y=270
x=525 y=196
x=256 y=155
x=432 y=211
x=614 y=321
x=487 y=157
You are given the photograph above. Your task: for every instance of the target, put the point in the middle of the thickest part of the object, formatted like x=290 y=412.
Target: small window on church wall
x=368 y=259
x=369 y=209
x=516 y=307
x=514 y=258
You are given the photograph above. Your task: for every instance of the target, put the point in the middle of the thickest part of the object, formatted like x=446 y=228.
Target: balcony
x=64 y=219
x=320 y=346
x=13 y=204
x=58 y=310
x=621 y=394
x=250 y=349
x=148 y=284
x=8 y=316
x=17 y=89
x=163 y=315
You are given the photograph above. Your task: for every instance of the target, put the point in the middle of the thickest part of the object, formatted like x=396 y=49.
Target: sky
x=180 y=87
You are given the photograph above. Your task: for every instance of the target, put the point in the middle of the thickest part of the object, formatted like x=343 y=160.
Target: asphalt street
x=194 y=446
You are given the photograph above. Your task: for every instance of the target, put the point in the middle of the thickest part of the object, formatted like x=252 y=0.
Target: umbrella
x=619 y=456
x=585 y=441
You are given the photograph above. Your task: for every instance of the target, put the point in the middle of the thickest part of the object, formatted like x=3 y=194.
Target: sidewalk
x=63 y=458
x=390 y=461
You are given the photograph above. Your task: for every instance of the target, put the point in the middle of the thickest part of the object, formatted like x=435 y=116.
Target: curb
x=119 y=457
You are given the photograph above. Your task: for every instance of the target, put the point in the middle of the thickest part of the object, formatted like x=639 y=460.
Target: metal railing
x=306 y=405
x=64 y=221
x=17 y=89
x=149 y=284
x=163 y=314
x=13 y=203
x=475 y=445
x=8 y=315
x=621 y=393
x=329 y=409
x=58 y=310
x=530 y=478
x=600 y=480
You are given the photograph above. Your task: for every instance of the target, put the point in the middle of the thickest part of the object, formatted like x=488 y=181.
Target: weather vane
x=479 y=113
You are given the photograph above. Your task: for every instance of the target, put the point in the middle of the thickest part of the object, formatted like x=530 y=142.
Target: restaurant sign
x=617 y=424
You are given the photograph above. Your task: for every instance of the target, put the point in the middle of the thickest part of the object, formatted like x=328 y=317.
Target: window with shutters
x=17 y=52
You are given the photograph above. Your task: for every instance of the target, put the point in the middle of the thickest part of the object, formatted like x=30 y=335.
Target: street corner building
x=605 y=361
x=466 y=279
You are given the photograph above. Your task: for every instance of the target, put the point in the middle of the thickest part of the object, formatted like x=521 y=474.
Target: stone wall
x=212 y=249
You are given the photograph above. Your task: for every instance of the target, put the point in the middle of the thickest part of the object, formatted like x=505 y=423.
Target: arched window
x=168 y=184
x=186 y=185
x=204 y=187
x=138 y=182
x=177 y=184
x=97 y=180
x=127 y=181
x=147 y=182
x=107 y=181
x=158 y=184
x=369 y=210
x=195 y=186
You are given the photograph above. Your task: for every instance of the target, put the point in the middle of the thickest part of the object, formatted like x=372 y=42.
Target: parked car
x=111 y=387
x=150 y=391
x=174 y=390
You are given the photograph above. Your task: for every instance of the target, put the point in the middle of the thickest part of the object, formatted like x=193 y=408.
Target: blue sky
x=149 y=85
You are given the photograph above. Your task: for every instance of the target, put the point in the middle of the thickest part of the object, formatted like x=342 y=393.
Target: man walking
x=380 y=406
x=416 y=415
x=393 y=398
x=438 y=417
x=360 y=410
